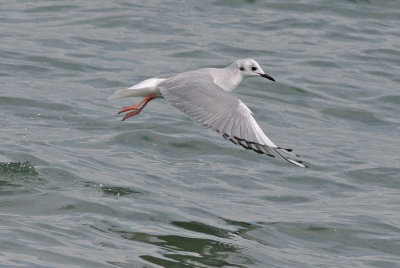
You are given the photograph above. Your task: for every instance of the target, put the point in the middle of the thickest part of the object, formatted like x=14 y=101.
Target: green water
x=80 y=188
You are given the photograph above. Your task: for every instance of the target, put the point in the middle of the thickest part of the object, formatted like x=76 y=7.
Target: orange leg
x=137 y=108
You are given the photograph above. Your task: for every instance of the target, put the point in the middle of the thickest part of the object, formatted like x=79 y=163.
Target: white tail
x=142 y=89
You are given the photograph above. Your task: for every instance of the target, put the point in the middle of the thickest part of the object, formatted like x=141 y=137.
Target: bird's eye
x=253 y=68
x=241 y=68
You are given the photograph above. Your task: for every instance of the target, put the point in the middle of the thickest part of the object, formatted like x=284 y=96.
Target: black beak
x=268 y=77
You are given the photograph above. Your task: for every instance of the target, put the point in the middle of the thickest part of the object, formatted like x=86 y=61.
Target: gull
x=205 y=96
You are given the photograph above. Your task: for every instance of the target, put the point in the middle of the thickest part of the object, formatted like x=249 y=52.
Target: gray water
x=80 y=188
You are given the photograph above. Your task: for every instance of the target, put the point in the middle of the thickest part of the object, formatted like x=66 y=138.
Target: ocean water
x=80 y=188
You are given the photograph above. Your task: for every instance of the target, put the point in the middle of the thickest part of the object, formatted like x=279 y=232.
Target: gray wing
x=196 y=94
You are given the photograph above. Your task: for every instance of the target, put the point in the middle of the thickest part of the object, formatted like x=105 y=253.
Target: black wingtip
x=288 y=151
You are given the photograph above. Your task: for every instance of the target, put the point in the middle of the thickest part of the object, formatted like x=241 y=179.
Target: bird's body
x=205 y=96
x=150 y=86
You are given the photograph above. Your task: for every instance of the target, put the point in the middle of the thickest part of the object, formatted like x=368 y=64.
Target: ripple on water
x=357 y=115
x=183 y=250
x=118 y=191
x=18 y=178
x=287 y=199
x=381 y=176
x=28 y=102
x=15 y=169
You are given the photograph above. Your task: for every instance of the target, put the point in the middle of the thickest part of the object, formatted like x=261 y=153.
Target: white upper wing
x=196 y=94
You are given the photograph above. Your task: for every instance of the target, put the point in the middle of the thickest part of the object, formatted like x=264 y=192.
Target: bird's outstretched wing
x=196 y=94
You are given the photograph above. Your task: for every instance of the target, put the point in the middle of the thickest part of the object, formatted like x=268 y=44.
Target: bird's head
x=249 y=67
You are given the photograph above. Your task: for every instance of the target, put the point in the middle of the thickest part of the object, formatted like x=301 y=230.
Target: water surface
x=80 y=188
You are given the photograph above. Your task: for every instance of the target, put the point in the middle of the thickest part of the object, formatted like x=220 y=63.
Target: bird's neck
x=227 y=78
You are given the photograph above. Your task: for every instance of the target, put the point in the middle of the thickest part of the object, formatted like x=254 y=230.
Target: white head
x=249 y=67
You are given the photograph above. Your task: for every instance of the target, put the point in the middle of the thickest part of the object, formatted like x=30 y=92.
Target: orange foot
x=137 y=108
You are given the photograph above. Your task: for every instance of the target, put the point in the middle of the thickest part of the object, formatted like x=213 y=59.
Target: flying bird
x=205 y=96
